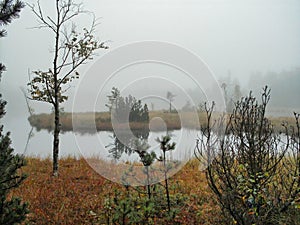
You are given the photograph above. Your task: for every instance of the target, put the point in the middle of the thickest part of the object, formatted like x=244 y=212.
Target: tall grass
x=87 y=121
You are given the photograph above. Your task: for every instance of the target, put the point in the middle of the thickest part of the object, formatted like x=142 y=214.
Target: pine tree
x=12 y=210
x=9 y=9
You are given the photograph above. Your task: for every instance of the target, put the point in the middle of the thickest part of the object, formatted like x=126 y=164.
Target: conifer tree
x=12 y=210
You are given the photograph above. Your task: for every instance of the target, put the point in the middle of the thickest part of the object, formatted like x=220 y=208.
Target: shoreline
x=88 y=122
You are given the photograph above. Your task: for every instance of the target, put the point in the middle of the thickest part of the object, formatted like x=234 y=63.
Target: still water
x=99 y=144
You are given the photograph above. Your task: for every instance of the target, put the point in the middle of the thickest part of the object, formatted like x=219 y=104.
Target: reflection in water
x=91 y=146
x=152 y=163
x=30 y=135
x=126 y=143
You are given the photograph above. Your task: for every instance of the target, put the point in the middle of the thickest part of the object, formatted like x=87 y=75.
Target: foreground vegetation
x=253 y=172
x=12 y=209
x=251 y=176
x=80 y=196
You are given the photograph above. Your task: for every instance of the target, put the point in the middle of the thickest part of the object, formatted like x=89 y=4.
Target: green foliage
x=71 y=50
x=77 y=49
x=127 y=109
x=12 y=210
x=132 y=206
x=166 y=146
x=9 y=10
x=253 y=171
x=145 y=205
x=128 y=144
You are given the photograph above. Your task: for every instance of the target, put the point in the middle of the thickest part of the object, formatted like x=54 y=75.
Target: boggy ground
x=78 y=195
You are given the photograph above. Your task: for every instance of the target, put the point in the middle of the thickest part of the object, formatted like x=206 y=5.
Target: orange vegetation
x=77 y=195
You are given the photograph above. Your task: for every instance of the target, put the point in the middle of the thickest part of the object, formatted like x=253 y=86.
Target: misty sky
x=240 y=36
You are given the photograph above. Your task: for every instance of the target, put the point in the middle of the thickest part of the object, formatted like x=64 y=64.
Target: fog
x=251 y=43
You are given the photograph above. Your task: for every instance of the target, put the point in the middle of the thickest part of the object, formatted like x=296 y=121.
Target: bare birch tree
x=71 y=50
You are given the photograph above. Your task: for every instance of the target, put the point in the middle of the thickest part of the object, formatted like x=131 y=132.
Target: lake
x=88 y=145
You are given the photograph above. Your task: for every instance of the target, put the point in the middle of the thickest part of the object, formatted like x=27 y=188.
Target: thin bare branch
x=40 y=16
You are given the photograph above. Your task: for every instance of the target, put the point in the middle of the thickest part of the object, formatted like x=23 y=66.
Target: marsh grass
x=101 y=121
x=77 y=196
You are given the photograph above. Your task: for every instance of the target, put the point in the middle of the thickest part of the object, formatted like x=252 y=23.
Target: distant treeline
x=285 y=87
